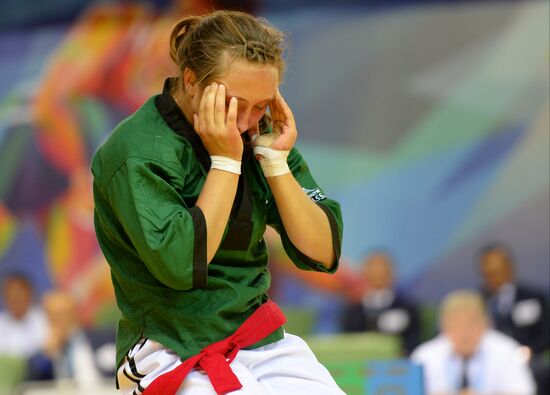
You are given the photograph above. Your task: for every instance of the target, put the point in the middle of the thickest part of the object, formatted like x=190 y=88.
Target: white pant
x=286 y=367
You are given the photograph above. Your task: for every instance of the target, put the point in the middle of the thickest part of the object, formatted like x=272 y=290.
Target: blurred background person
x=517 y=309
x=470 y=358
x=66 y=353
x=382 y=307
x=22 y=323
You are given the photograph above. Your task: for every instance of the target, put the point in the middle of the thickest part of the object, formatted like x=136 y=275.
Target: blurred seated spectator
x=22 y=324
x=517 y=309
x=382 y=308
x=470 y=358
x=67 y=352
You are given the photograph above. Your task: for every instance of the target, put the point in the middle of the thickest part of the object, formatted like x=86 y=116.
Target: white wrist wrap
x=273 y=162
x=226 y=164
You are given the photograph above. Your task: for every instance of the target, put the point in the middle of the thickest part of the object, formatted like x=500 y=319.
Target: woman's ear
x=189 y=81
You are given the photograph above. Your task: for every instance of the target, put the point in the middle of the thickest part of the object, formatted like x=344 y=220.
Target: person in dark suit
x=382 y=308
x=516 y=309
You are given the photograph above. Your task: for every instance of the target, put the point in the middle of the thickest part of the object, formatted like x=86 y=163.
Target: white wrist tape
x=273 y=162
x=226 y=164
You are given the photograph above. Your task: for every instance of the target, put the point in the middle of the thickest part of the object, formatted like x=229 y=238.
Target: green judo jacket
x=147 y=178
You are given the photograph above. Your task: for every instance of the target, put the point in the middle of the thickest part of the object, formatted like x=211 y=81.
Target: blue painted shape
x=491 y=151
x=26 y=256
x=37 y=183
x=396 y=377
x=29 y=51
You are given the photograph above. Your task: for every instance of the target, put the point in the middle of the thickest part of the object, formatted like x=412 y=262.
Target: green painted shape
x=10 y=156
x=333 y=167
x=93 y=117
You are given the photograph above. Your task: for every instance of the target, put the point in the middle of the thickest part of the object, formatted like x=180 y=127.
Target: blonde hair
x=463 y=300
x=205 y=44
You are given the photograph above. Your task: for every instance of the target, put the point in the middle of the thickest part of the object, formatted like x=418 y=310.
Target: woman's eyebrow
x=229 y=96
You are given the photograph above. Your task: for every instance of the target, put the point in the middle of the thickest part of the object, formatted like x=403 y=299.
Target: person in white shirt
x=470 y=358
x=22 y=325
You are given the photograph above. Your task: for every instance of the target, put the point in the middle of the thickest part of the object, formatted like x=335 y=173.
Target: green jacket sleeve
x=169 y=237
x=301 y=173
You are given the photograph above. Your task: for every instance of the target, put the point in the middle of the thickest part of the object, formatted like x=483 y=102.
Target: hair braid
x=202 y=43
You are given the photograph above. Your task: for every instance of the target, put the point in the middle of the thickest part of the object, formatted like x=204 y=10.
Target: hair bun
x=179 y=32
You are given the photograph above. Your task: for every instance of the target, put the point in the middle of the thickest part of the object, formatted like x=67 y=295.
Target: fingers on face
x=201 y=124
x=274 y=108
x=212 y=110
x=284 y=108
x=232 y=113
x=287 y=138
x=209 y=106
x=196 y=121
x=280 y=111
x=219 y=107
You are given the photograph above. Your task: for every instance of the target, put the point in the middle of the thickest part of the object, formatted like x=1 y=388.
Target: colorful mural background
x=429 y=121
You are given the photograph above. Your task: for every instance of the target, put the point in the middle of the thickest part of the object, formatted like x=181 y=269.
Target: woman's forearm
x=305 y=223
x=215 y=201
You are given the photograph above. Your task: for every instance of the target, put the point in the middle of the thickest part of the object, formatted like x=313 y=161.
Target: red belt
x=216 y=357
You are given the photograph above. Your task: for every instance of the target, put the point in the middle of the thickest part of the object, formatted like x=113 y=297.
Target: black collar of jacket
x=174 y=117
x=240 y=224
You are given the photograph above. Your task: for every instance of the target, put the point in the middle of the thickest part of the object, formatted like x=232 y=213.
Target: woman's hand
x=216 y=128
x=283 y=124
